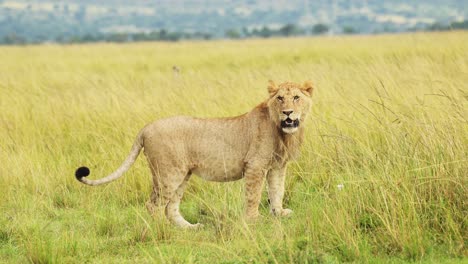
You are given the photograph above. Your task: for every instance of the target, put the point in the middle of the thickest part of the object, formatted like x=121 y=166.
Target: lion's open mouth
x=289 y=123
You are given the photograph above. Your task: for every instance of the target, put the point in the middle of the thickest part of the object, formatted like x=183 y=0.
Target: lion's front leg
x=254 y=178
x=276 y=178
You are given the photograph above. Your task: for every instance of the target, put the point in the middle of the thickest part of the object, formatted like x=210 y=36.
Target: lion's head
x=289 y=104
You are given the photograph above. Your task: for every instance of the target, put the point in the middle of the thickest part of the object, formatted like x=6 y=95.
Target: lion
x=254 y=146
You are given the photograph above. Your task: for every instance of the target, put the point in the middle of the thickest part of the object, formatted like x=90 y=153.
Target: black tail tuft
x=81 y=172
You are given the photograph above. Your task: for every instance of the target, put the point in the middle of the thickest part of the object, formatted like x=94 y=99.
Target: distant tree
x=89 y=38
x=197 y=35
x=436 y=27
x=320 y=29
x=349 y=30
x=232 y=34
x=61 y=39
x=154 y=35
x=389 y=28
x=174 y=36
x=163 y=34
x=139 y=37
x=75 y=39
x=200 y=35
x=289 y=30
x=13 y=39
x=246 y=32
x=265 y=32
x=459 y=25
x=118 y=37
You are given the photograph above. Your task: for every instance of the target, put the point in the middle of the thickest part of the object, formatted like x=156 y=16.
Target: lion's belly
x=214 y=149
x=220 y=170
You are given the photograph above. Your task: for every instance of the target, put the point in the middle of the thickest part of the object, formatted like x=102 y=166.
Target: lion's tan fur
x=251 y=146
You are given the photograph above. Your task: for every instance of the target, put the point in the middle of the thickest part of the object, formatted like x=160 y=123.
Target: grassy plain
x=389 y=122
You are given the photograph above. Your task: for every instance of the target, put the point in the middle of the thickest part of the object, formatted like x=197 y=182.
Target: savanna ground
x=389 y=123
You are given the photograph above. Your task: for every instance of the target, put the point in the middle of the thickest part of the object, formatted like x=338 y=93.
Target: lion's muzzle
x=289 y=126
x=289 y=123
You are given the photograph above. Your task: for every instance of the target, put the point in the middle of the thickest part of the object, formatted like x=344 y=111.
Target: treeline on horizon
x=287 y=30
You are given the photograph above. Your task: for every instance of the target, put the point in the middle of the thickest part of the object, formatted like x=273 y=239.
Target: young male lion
x=254 y=146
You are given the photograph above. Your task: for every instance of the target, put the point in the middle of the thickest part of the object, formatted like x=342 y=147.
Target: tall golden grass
x=382 y=175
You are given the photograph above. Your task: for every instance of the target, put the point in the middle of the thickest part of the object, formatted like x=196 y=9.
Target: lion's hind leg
x=153 y=204
x=172 y=208
x=168 y=189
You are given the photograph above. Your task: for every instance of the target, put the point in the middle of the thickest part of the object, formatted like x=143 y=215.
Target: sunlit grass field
x=389 y=124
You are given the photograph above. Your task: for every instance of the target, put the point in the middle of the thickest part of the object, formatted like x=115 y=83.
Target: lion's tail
x=82 y=172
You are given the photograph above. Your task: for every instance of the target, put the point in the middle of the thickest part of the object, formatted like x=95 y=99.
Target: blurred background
x=78 y=21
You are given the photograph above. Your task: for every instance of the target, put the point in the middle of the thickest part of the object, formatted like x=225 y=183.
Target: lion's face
x=289 y=104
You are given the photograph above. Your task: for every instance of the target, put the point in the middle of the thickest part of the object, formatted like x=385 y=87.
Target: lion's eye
x=280 y=98
x=296 y=98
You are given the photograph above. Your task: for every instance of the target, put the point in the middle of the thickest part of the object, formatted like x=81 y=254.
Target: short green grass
x=389 y=122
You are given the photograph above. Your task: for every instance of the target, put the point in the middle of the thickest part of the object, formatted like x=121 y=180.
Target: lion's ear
x=308 y=87
x=272 y=88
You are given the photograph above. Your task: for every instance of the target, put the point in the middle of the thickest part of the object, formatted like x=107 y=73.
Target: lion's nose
x=287 y=112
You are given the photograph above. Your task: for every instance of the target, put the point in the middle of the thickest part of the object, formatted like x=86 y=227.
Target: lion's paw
x=251 y=218
x=194 y=226
x=282 y=212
